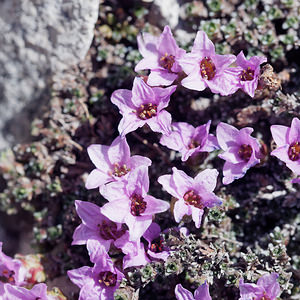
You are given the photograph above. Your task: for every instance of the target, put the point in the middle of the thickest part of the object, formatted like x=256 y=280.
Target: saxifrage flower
x=99 y=281
x=288 y=142
x=160 y=55
x=95 y=226
x=201 y=293
x=205 y=68
x=130 y=204
x=267 y=288
x=143 y=105
x=248 y=72
x=193 y=194
x=189 y=140
x=242 y=151
x=112 y=162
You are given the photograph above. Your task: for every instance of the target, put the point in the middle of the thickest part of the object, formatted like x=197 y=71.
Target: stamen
x=245 y=152
x=193 y=144
x=138 y=205
x=247 y=75
x=157 y=245
x=207 y=68
x=147 y=111
x=108 y=278
x=294 y=151
x=167 y=62
x=119 y=171
x=108 y=230
x=192 y=198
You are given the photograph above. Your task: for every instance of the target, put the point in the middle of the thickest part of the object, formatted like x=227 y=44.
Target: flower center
x=193 y=144
x=119 y=171
x=245 y=152
x=108 y=278
x=294 y=151
x=147 y=111
x=157 y=245
x=138 y=205
x=109 y=230
x=207 y=68
x=192 y=198
x=264 y=297
x=167 y=62
x=7 y=276
x=247 y=75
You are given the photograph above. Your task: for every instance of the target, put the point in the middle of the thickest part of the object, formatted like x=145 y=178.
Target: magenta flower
x=288 y=142
x=143 y=105
x=267 y=288
x=11 y=270
x=161 y=56
x=205 y=68
x=249 y=71
x=99 y=281
x=39 y=291
x=156 y=249
x=201 y=293
x=135 y=255
x=112 y=163
x=95 y=226
x=190 y=140
x=130 y=204
x=193 y=194
x=242 y=151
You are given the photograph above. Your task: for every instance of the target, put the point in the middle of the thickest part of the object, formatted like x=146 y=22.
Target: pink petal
x=147 y=63
x=161 y=122
x=98 y=155
x=138 y=160
x=80 y=276
x=167 y=43
x=89 y=213
x=119 y=151
x=122 y=99
x=138 y=181
x=172 y=141
x=232 y=172
x=162 y=96
x=181 y=181
x=194 y=80
x=183 y=294
x=137 y=225
x=223 y=61
x=250 y=291
x=82 y=233
x=114 y=190
x=147 y=44
x=141 y=92
x=161 y=77
x=203 y=44
x=270 y=284
x=207 y=179
x=181 y=209
x=116 y=210
x=196 y=215
x=190 y=62
x=155 y=206
x=231 y=155
x=241 y=60
x=227 y=135
x=152 y=232
x=202 y=292
x=165 y=181
x=294 y=134
x=96 y=179
x=97 y=252
x=129 y=123
x=224 y=84
x=280 y=134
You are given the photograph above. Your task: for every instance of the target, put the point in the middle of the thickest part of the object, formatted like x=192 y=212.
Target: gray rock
x=38 y=38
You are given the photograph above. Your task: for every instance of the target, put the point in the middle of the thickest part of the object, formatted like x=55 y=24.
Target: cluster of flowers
x=126 y=220
x=14 y=279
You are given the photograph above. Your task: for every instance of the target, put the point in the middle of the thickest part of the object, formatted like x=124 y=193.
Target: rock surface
x=38 y=38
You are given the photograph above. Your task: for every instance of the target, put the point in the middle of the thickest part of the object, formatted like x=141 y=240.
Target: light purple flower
x=288 y=141
x=130 y=204
x=205 y=68
x=95 y=226
x=242 y=151
x=112 y=163
x=189 y=140
x=156 y=249
x=160 y=55
x=39 y=291
x=11 y=270
x=99 y=281
x=201 y=293
x=134 y=251
x=193 y=194
x=143 y=105
x=267 y=288
x=249 y=71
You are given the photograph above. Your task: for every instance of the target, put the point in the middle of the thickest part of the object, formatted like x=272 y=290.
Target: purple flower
x=130 y=204
x=156 y=249
x=161 y=56
x=205 y=68
x=99 y=281
x=11 y=270
x=249 y=71
x=39 y=291
x=95 y=226
x=134 y=251
x=201 y=293
x=190 y=140
x=112 y=163
x=193 y=194
x=241 y=151
x=288 y=142
x=267 y=288
x=143 y=105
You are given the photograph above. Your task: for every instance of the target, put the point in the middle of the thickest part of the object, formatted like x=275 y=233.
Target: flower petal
x=183 y=294
x=207 y=179
x=96 y=179
x=202 y=292
x=280 y=134
x=161 y=77
x=227 y=135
